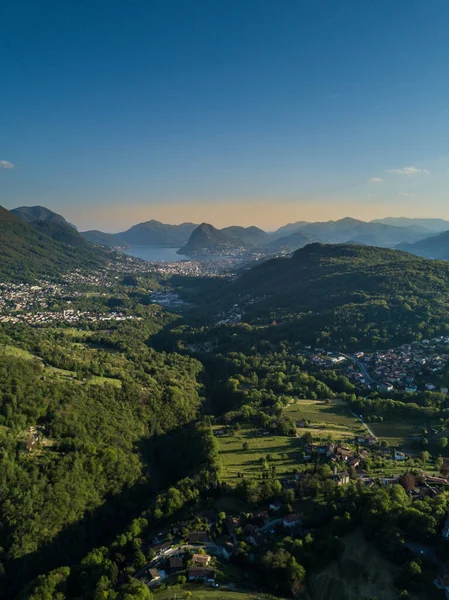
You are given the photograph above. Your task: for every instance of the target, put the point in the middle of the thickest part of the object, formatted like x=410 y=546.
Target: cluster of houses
x=194 y=555
x=397 y=369
x=65 y=316
x=31 y=304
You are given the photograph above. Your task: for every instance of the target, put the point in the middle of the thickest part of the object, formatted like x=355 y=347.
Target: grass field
x=284 y=452
x=395 y=433
x=73 y=332
x=17 y=353
x=103 y=380
x=327 y=419
x=54 y=372
x=202 y=592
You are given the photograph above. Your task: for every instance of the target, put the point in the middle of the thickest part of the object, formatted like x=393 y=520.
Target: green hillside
x=28 y=252
x=346 y=294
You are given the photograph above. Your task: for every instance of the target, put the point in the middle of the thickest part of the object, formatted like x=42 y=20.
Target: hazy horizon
x=263 y=114
x=234 y=214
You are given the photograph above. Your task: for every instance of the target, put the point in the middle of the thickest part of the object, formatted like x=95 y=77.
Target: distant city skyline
x=254 y=113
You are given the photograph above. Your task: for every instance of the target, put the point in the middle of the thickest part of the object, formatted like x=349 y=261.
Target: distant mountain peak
x=207 y=239
x=30 y=214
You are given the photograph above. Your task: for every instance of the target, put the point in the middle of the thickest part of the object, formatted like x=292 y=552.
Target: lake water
x=164 y=254
x=155 y=253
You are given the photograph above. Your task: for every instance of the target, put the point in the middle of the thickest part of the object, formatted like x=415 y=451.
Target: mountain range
x=150 y=233
x=423 y=237
x=206 y=239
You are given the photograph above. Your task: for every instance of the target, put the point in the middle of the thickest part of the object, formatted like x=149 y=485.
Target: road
x=361 y=366
x=271 y=524
x=367 y=427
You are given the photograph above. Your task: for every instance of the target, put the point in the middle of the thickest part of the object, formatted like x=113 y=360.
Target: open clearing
x=17 y=353
x=283 y=450
x=333 y=420
x=54 y=372
x=201 y=592
x=327 y=419
x=395 y=433
x=103 y=380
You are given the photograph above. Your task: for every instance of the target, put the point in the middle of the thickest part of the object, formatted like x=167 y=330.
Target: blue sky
x=231 y=111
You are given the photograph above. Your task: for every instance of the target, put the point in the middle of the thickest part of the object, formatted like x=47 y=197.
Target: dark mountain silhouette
x=207 y=239
x=150 y=233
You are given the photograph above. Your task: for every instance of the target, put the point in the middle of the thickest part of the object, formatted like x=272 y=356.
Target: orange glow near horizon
x=268 y=215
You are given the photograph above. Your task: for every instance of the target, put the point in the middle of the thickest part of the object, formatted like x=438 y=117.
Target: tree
x=408 y=482
x=425 y=456
x=442 y=442
x=135 y=590
x=412 y=570
x=245 y=446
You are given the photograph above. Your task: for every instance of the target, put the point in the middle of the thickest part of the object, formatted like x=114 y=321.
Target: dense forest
x=338 y=296
x=76 y=420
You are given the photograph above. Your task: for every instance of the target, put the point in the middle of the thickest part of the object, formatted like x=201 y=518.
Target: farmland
x=201 y=592
x=395 y=433
x=283 y=450
x=244 y=451
x=326 y=420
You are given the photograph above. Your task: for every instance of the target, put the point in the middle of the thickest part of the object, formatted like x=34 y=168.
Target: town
x=407 y=368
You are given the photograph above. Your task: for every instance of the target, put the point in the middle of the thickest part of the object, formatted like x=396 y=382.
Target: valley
x=193 y=396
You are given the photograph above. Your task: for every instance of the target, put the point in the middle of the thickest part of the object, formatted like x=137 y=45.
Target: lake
x=162 y=254
x=155 y=253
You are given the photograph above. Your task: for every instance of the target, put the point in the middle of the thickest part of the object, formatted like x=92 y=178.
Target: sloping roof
x=154 y=573
x=292 y=518
x=176 y=562
x=201 y=572
x=201 y=559
x=198 y=536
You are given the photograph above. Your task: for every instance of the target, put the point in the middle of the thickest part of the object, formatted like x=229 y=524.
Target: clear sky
x=228 y=111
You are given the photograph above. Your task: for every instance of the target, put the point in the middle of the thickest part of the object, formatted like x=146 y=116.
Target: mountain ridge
x=30 y=214
x=27 y=252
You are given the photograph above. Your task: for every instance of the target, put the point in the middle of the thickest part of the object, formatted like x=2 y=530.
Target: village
x=404 y=369
x=200 y=550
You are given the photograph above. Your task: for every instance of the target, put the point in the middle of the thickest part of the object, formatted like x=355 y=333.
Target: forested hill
x=348 y=293
x=44 y=249
x=30 y=214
